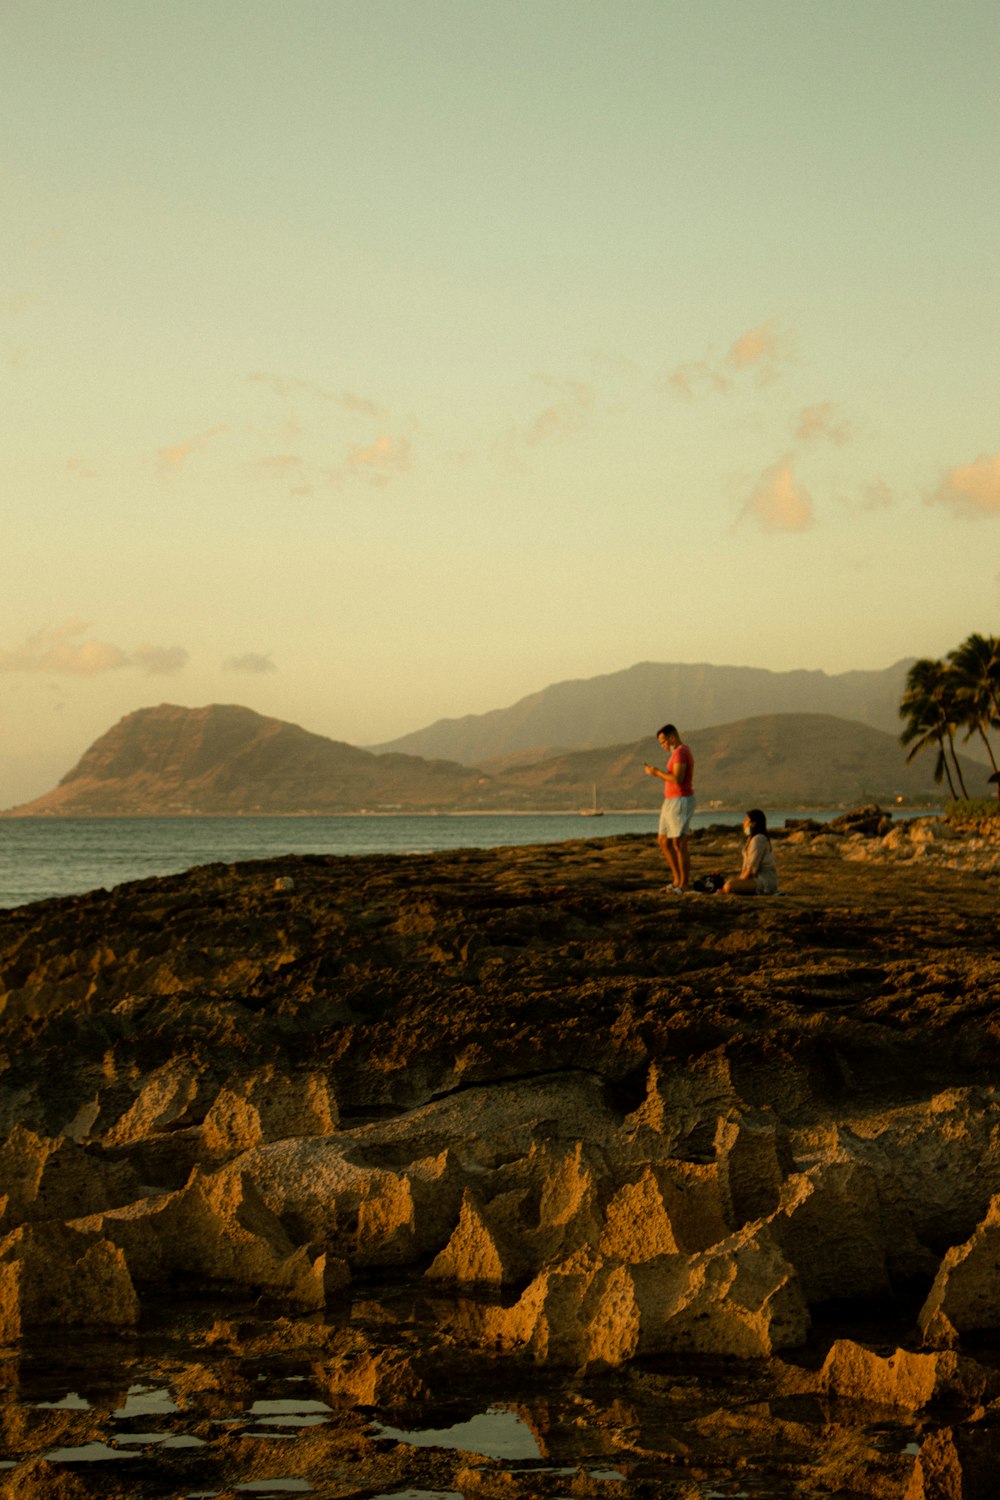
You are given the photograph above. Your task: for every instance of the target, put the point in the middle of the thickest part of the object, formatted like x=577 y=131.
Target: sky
x=368 y=362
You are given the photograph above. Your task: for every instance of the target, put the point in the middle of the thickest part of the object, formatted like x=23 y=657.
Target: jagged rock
x=932 y=831
x=746 y=1148
x=739 y=1299
x=54 y=1179
x=57 y=1275
x=636 y=1223
x=174 y=1096
x=477 y=1253
x=268 y=1106
x=870 y=821
x=965 y=1297
x=38 y=1477
x=904 y=1379
x=937 y=1473
x=217 y=1231
x=672 y=1125
x=830 y=1228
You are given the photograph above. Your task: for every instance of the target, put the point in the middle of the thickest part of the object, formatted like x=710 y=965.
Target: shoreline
x=830 y=808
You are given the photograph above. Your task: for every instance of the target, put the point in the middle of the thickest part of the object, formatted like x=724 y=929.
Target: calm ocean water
x=41 y=857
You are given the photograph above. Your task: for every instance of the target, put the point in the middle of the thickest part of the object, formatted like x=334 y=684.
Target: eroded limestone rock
x=54 y=1179
x=965 y=1297
x=904 y=1378
x=268 y=1106
x=216 y=1232
x=57 y=1275
x=174 y=1096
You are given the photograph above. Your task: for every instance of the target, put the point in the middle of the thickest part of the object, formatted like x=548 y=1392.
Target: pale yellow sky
x=373 y=362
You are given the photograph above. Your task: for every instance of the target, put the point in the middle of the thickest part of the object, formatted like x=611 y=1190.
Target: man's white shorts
x=675 y=817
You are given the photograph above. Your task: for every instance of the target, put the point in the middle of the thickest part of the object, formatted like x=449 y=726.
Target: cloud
x=761 y=351
x=158 y=661
x=176 y=454
x=821 y=421
x=695 y=378
x=877 y=496
x=563 y=417
x=284 y=386
x=77 y=466
x=280 y=461
x=971 y=490
x=387 y=455
x=64 y=651
x=779 y=502
x=251 y=662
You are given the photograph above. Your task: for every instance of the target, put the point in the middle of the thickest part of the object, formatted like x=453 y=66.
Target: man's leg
x=667 y=850
x=680 y=862
x=683 y=856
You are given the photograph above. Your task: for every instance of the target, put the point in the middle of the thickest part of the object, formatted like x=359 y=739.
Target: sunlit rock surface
x=425 y=1129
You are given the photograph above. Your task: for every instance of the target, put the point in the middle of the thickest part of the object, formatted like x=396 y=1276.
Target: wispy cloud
x=778 y=502
x=382 y=458
x=877 y=496
x=285 y=386
x=697 y=378
x=65 y=650
x=763 y=349
x=177 y=454
x=81 y=469
x=760 y=352
x=971 y=490
x=253 y=663
x=158 y=661
x=822 y=422
x=563 y=417
x=280 y=461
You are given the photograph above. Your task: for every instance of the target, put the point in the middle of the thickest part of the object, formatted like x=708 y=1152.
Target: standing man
x=678 y=805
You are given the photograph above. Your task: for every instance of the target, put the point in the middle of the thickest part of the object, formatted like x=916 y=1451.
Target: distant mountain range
x=224 y=759
x=632 y=704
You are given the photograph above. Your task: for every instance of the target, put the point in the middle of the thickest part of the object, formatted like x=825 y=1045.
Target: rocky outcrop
x=583 y=1125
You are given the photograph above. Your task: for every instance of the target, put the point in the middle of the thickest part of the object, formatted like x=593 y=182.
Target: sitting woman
x=759 y=875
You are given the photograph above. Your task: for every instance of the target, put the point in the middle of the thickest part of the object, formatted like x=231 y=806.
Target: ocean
x=43 y=857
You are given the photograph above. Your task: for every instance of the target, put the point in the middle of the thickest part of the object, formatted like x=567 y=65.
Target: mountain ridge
x=226 y=760
x=588 y=712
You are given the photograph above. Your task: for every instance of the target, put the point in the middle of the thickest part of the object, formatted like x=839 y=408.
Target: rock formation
x=587 y=1131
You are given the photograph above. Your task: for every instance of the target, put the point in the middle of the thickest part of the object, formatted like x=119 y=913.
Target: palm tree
x=976 y=665
x=930 y=709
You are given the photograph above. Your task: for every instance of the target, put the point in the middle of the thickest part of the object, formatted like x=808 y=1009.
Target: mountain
x=773 y=760
x=620 y=706
x=227 y=759
x=224 y=759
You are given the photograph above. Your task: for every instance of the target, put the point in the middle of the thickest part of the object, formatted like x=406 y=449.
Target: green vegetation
x=972 y=807
x=942 y=698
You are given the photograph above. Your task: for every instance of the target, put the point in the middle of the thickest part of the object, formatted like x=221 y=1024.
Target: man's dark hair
x=668 y=729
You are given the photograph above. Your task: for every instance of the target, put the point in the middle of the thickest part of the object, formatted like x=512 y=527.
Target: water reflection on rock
x=676 y=1428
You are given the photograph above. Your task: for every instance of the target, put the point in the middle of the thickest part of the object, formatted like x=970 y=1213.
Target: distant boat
x=593 y=811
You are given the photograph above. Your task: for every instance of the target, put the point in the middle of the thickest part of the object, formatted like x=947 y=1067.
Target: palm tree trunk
x=989 y=747
x=943 y=765
x=958 y=768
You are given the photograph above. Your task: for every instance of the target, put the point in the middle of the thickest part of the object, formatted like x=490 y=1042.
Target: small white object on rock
x=284 y=883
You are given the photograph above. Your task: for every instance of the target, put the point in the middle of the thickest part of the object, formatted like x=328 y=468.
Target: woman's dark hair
x=757 y=821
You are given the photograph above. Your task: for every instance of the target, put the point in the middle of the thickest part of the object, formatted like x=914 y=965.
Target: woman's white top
x=759 y=865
